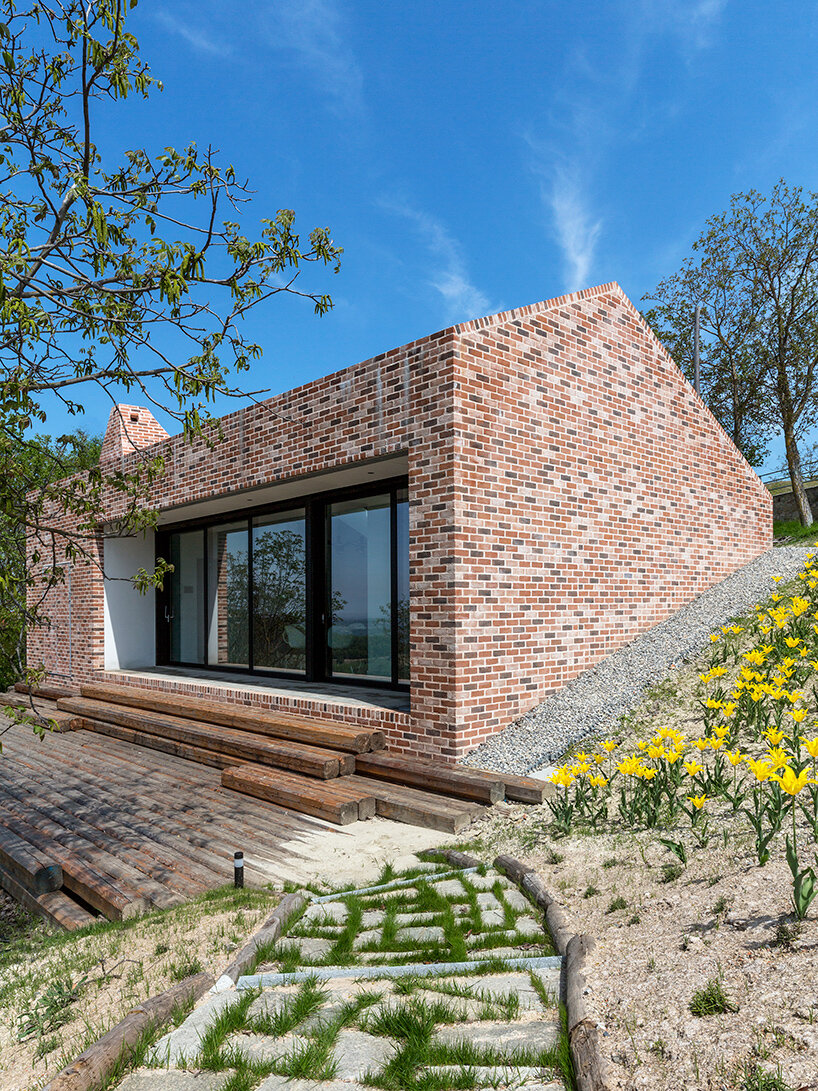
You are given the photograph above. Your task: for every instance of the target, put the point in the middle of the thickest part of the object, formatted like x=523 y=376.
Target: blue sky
x=473 y=156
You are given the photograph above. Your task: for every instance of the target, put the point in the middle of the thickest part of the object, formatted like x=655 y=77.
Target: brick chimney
x=130 y=428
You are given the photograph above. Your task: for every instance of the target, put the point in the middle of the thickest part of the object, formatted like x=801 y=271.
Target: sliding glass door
x=318 y=591
x=359 y=637
x=280 y=592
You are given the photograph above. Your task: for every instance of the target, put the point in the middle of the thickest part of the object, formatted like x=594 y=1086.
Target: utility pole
x=697 y=386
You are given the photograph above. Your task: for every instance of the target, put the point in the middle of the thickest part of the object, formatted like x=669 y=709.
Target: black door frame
x=317 y=559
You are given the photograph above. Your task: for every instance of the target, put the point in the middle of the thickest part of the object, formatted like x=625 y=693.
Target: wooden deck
x=132 y=828
x=140 y=799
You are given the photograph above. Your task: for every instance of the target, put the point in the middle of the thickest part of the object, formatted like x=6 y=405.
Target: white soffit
x=359 y=473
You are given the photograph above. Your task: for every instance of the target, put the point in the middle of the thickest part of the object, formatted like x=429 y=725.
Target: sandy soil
x=722 y=918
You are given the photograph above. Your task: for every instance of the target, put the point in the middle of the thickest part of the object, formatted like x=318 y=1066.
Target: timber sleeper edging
x=590 y=1069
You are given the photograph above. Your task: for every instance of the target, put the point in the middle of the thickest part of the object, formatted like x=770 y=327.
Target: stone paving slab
x=260 y=1047
x=368 y=936
x=487 y=900
x=314 y=948
x=517 y=900
x=493 y=918
x=357 y=1053
x=336 y=912
x=498 y=1076
x=487 y=882
x=511 y=1038
x=271 y=1004
x=185 y=1041
x=372 y=918
x=498 y=986
x=529 y=926
x=425 y=933
x=451 y=888
x=172 y=1079
x=284 y=1083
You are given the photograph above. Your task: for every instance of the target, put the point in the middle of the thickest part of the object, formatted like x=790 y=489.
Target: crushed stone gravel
x=593 y=702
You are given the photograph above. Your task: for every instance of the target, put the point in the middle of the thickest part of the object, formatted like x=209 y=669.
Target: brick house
x=431 y=540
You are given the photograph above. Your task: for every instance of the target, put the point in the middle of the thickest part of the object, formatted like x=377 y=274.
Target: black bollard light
x=238 y=869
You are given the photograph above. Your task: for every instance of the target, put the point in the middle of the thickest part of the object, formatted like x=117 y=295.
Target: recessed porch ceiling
x=358 y=473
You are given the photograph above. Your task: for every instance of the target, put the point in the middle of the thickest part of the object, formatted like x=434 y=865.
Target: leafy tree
x=42 y=462
x=128 y=275
x=755 y=271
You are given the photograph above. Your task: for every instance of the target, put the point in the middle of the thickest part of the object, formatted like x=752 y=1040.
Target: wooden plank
x=189 y=856
x=430 y=776
x=37 y=872
x=289 y=790
x=281 y=725
x=79 y=876
x=63 y=827
x=518 y=789
x=49 y=690
x=181 y=824
x=282 y=753
x=55 y=906
x=101 y=826
x=171 y=784
x=43 y=713
x=63 y=910
x=418 y=808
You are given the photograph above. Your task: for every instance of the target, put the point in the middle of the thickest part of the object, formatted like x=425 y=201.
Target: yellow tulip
x=734 y=756
x=811 y=746
x=693 y=768
x=722 y=730
x=698 y=801
x=562 y=778
x=608 y=745
x=777 y=757
x=598 y=781
x=702 y=744
x=793 y=784
x=774 y=736
x=760 y=769
x=792 y=641
x=798 y=714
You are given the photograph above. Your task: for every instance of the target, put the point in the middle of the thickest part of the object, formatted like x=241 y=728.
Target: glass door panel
x=228 y=642
x=359 y=608
x=280 y=592
x=185 y=611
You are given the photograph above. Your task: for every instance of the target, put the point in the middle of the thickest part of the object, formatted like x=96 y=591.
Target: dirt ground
x=663 y=935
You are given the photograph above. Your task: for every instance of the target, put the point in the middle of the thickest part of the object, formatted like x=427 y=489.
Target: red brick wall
x=597 y=495
x=567 y=490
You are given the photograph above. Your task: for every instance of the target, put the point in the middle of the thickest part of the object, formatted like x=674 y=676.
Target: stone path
x=308 y=1021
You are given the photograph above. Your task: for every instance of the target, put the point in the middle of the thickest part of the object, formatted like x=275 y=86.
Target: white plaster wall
x=130 y=618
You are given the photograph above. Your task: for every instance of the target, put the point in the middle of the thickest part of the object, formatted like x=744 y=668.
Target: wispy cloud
x=449 y=277
x=597 y=111
x=692 y=22
x=315 y=33
x=194 y=35
x=575 y=225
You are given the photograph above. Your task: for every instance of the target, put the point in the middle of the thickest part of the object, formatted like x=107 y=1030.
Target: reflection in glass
x=186 y=609
x=280 y=592
x=228 y=634
x=359 y=636
x=402 y=605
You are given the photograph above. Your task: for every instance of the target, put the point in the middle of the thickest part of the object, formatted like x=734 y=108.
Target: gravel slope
x=594 y=702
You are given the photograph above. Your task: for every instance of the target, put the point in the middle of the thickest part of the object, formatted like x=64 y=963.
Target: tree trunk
x=798 y=490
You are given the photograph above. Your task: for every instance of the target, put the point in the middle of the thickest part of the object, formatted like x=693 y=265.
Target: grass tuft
x=712 y=1000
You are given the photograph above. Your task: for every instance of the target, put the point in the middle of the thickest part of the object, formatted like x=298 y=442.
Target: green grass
x=712 y=1000
x=791 y=528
